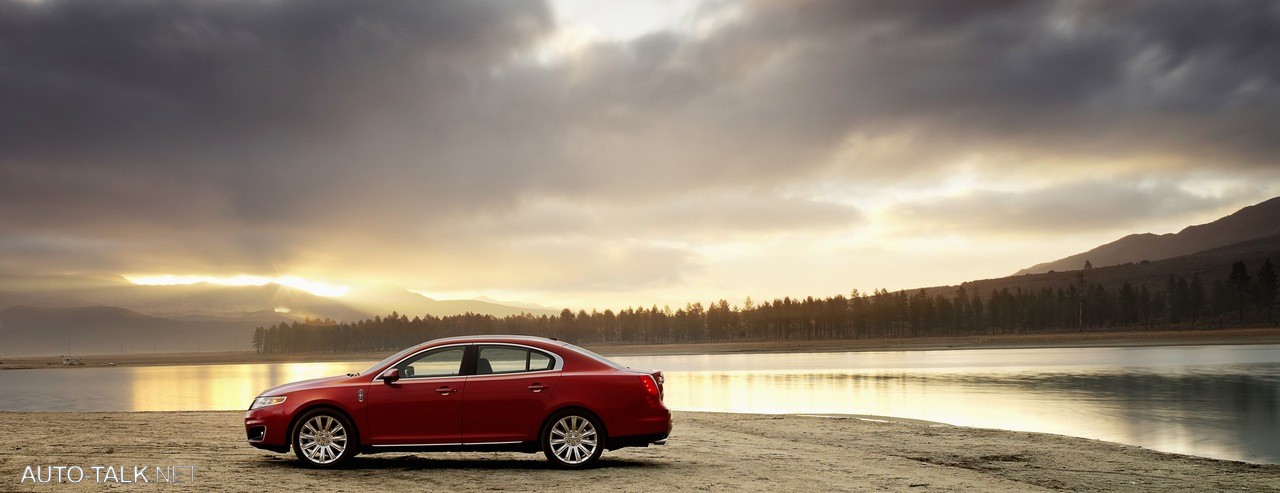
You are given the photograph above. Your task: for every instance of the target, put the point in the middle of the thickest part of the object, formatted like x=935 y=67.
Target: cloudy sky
x=591 y=154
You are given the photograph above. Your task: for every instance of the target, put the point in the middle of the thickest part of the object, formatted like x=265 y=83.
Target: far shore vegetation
x=1240 y=298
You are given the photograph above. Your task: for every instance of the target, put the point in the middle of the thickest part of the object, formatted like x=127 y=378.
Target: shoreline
x=1003 y=341
x=1206 y=337
x=707 y=451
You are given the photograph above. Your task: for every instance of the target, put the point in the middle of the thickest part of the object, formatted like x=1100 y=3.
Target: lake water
x=1213 y=401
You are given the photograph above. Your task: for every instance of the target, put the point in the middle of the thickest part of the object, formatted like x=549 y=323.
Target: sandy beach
x=707 y=452
x=1073 y=339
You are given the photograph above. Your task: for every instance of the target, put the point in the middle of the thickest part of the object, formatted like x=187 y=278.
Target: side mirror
x=391 y=375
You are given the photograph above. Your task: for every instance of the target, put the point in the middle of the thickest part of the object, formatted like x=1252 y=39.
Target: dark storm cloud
x=1075 y=79
x=256 y=98
x=788 y=89
x=205 y=123
x=247 y=134
x=128 y=80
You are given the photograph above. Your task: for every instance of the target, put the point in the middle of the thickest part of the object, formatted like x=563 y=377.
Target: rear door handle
x=444 y=390
x=536 y=387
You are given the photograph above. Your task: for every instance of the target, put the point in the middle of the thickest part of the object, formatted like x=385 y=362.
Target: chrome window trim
x=512 y=374
x=417 y=380
x=558 y=366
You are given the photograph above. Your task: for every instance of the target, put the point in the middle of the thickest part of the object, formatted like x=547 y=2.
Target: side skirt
x=455 y=447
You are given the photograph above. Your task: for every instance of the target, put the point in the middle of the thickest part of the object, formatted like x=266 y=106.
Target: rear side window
x=540 y=361
x=509 y=359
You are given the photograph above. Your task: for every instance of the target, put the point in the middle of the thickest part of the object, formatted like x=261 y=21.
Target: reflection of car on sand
x=486 y=393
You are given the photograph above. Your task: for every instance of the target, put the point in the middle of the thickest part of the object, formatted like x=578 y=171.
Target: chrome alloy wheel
x=322 y=439
x=573 y=439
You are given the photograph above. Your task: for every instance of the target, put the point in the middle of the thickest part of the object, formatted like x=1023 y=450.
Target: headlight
x=262 y=402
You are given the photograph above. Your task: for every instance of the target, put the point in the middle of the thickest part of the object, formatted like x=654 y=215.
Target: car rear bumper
x=650 y=427
x=638 y=440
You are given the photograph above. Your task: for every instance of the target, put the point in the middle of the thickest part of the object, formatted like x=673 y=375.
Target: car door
x=425 y=405
x=507 y=393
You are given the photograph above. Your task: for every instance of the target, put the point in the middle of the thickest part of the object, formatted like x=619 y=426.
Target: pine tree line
x=1241 y=298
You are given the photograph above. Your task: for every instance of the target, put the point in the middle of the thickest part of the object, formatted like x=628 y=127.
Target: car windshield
x=595 y=356
x=387 y=360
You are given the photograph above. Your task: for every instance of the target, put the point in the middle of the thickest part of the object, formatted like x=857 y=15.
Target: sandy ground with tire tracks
x=707 y=452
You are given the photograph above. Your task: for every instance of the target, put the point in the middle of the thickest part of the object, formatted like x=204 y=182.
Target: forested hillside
x=1243 y=294
x=1252 y=222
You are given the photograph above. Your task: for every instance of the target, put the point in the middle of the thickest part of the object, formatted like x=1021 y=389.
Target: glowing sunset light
x=805 y=148
x=314 y=287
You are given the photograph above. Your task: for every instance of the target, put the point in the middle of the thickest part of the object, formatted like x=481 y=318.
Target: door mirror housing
x=391 y=375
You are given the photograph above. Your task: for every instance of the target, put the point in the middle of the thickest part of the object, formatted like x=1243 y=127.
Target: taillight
x=653 y=384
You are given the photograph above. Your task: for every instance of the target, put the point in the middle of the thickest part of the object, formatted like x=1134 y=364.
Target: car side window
x=438 y=363
x=540 y=361
x=506 y=359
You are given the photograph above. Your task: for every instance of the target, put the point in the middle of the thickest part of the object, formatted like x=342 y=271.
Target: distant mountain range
x=1209 y=264
x=32 y=330
x=1250 y=223
x=1251 y=234
x=268 y=303
x=108 y=316
x=387 y=298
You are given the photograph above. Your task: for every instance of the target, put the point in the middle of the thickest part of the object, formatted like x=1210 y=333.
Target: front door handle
x=536 y=387
x=445 y=390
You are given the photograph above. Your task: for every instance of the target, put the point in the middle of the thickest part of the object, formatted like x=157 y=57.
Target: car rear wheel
x=573 y=440
x=324 y=438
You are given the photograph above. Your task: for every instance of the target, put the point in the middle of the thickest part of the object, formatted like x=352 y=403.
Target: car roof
x=495 y=338
x=578 y=353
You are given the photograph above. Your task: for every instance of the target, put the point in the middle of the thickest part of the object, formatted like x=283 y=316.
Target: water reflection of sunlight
x=218 y=387
x=1185 y=410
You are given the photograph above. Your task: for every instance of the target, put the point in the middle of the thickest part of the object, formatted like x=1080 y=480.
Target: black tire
x=573 y=439
x=324 y=438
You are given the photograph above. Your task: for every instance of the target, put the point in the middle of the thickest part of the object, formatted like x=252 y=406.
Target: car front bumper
x=267 y=428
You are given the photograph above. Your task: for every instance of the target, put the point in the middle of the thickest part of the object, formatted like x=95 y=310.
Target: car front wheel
x=324 y=438
x=573 y=440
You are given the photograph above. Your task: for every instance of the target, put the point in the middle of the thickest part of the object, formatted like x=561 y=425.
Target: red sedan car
x=496 y=393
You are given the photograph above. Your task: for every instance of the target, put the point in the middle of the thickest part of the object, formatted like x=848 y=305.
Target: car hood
x=302 y=385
